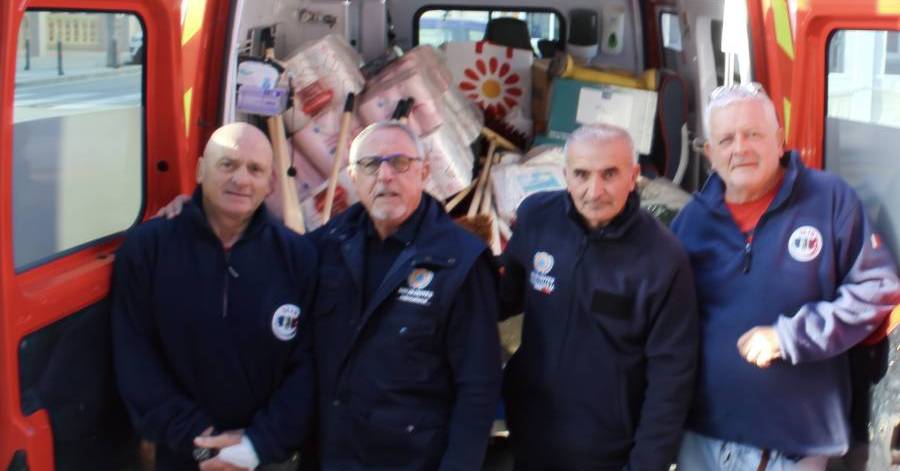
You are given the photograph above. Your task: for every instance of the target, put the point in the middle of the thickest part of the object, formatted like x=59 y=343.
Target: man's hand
x=235 y=451
x=227 y=438
x=174 y=207
x=760 y=346
x=215 y=464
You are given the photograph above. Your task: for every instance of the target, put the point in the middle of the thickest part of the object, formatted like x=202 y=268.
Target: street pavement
x=76 y=65
x=86 y=86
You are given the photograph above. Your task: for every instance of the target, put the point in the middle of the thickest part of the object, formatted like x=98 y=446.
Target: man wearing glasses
x=405 y=321
x=790 y=276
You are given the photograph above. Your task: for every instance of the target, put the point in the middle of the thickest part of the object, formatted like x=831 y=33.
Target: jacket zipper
x=582 y=248
x=230 y=272
x=748 y=242
x=748 y=253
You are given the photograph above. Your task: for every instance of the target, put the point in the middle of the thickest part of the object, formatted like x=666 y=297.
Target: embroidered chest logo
x=540 y=280
x=285 y=321
x=805 y=243
x=415 y=292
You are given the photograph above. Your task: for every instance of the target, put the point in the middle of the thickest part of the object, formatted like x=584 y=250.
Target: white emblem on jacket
x=805 y=243
x=416 y=293
x=285 y=321
x=540 y=280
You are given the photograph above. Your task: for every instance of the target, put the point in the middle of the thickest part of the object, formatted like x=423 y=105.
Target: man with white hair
x=405 y=322
x=790 y=276
x=209 y=310
x=603 y=378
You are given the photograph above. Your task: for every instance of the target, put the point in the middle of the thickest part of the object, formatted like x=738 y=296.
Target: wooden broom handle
x=500 y=140
x=475 y=205
x=340 y=151
x=292 y=214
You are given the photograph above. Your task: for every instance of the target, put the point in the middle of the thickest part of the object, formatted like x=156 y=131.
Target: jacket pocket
x=413 y=439
x=611 y=304
x=418 y=350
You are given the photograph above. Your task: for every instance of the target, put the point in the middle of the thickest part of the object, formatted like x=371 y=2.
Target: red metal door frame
x=796 y=74
x=793 y=67
x=37 y=297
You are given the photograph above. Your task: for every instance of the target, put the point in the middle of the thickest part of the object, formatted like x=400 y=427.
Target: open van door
x=833 y=68
x=103 y=106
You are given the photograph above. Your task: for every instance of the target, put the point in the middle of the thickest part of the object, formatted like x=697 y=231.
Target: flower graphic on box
x=492 y=83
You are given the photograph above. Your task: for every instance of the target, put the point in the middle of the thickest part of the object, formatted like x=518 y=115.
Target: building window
x=892 y=53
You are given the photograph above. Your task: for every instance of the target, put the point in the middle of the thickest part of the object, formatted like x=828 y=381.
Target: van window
x=78 y=131
x=862 y=124
x=670 y=31
x=437 y=26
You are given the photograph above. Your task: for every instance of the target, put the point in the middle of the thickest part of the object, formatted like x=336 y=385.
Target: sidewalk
x=77 y=65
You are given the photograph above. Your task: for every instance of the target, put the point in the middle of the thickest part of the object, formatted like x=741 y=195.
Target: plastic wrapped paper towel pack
x=306 y=180
x=381 y=98
x=424 y=59
x=322 y=73
x=318 y=139
x=445 y=101
x=450 y=161
x=313 y=207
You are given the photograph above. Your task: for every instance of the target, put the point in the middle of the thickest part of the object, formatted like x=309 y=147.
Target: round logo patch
x=419 y=278
x=805 y=243
x=285 y=321
x=543 y=262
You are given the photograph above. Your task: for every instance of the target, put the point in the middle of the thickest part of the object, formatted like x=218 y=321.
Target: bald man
x=208 y=312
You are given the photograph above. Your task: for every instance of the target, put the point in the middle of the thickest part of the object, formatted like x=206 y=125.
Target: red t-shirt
x=746 y=215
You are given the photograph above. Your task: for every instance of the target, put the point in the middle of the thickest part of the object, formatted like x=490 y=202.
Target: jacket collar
x=426 y=226
x=427 y=247
x=196 y=215
x=407 y=231
x=616 y=228
x=712 y=195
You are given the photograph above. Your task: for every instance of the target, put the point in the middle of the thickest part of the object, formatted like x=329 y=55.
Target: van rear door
x=103 y=105
x=834 y=69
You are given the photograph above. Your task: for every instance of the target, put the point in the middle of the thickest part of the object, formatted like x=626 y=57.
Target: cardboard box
x=574 y=103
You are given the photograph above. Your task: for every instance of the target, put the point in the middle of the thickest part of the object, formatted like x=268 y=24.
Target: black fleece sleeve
x=160 y=411
x=283 y=425
x=474 y=352
x=671 y=351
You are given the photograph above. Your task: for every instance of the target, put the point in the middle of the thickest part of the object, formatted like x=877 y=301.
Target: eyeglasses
x=741 y=89
x=399 y=163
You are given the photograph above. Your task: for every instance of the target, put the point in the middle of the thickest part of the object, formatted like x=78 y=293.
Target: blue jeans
x=702 y=453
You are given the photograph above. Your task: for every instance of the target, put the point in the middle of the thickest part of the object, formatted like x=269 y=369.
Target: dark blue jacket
x=411 y=379
x=604 y=375
x=208 y=338
x=817 y=273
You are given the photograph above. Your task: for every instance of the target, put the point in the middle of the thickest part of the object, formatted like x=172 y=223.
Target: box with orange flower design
x=497 y=78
